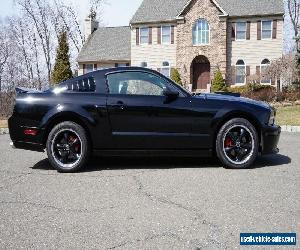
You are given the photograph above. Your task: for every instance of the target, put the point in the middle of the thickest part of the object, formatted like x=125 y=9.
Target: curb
x=290 y=129
x=4 y=131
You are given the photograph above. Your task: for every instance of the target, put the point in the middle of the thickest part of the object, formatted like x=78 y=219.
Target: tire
x=237 y=144
x=68 y=147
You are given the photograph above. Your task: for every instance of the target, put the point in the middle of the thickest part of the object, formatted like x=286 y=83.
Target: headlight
x=272 y=117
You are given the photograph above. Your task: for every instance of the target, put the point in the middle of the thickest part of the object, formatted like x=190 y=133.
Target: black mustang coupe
x=133 y=111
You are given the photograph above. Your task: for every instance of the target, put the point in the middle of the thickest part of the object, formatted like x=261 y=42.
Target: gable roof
x=169 y=10
x=107 y=44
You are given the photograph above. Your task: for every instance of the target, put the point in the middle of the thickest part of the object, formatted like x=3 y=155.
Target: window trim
x=261 y=32
x=161 y=34
x=200 y=44
x=264 y=65
x=166 y=67
x=140 y=35
x=237 y=31
x=245 y=70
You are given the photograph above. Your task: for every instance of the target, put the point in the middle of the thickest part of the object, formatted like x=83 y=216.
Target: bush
x=175 y=76
x=218 y=83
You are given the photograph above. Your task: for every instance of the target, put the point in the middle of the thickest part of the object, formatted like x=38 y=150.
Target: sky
x=114 y=12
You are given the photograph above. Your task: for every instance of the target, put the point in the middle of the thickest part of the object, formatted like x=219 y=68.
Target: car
x=133 y=111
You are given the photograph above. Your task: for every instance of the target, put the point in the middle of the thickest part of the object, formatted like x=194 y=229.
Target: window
x=87 y=68
x=166 y=34
x=200 y=32
x=135 y=83
x=82 y=85
x=144 y=35
x=263 y=67
x=240 y=72
x=241 y=31
x=165 y=70
x=144 y=64
x=266 y=29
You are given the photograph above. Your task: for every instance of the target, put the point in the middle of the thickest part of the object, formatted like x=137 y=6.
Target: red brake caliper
x=228 y=143
x=72 y=139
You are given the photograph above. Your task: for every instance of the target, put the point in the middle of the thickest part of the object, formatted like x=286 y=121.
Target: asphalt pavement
x=146 y=203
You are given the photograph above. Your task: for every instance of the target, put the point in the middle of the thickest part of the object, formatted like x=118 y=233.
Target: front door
x=140 y=118
x=201 y=74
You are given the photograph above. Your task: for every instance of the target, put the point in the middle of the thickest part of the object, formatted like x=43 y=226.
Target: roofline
x=154 y=22
x=214 y=1
x=103 y=61
x=259 y=15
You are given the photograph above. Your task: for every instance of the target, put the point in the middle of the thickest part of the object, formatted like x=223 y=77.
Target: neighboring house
x=239 y=37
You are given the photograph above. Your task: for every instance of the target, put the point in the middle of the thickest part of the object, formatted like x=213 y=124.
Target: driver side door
x=141 y=118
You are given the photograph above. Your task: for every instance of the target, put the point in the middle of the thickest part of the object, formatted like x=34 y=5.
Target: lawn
x=3 y=123
x=288 y=116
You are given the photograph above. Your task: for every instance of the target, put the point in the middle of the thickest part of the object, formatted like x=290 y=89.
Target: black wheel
x=68 y=147
x=237 y=144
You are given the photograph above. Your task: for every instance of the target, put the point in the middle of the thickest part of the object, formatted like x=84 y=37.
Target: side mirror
x=171 y=95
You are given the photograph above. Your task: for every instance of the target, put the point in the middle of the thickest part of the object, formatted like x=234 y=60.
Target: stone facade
x=215 y=51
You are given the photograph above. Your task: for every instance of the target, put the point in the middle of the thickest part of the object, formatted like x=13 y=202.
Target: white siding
x=253 y=51
x=154 y=54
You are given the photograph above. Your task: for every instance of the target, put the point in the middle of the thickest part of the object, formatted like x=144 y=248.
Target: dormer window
x=201 y=32
x=144 y=35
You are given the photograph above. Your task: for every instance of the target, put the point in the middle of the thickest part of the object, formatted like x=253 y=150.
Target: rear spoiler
x=20 y=90
x=229 y=93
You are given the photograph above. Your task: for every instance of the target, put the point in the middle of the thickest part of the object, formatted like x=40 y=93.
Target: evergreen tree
x=175 y=76
x=62 y=67
x=218 y=83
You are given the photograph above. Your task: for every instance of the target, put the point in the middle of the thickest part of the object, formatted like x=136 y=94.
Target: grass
x=3 y=123
x=288 y=116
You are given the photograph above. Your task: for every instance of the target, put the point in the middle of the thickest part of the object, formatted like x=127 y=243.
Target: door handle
x=118 y=105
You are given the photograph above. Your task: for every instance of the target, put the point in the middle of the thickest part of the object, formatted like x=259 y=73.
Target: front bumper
x=269 y=139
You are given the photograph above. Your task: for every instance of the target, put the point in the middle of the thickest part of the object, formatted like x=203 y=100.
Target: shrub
x=175 y=76
x=218 y=83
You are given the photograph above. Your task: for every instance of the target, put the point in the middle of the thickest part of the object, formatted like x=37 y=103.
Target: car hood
x=232 y=98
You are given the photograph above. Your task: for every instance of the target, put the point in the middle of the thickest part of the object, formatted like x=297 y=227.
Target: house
x=239 y=37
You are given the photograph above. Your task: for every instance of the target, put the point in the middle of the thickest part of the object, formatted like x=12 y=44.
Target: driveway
x=159 y=203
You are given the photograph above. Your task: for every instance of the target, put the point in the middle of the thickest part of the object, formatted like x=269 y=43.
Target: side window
x=82 y=85
x=135 y=83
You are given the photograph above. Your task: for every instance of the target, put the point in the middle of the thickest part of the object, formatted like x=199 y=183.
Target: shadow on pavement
x=119 y=163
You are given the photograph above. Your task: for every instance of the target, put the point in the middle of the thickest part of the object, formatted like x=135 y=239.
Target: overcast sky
x=115 y=12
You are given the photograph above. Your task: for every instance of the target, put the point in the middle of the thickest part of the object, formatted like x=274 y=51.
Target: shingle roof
x=166 y=10
x=107 y=44
x=158 y=10
x=252 y=7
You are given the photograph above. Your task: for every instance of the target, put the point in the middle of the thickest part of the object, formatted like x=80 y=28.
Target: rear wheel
x=237 y=144
x=68 y=147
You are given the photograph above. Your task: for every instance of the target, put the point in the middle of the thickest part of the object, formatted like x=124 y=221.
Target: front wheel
x=68 y=147
x=237 y=144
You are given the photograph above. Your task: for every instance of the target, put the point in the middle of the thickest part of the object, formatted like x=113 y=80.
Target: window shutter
x=127 y=64
x=247 y=73
x=258 y=73
x=84 y=67
x=233 y=76
x=150 y=35
x=95 y=66
x=172 y=34
x=137 y=36
x=232 y=31
x=159 y=35
x=258 y=30
x=248 y=30
x=274 y=34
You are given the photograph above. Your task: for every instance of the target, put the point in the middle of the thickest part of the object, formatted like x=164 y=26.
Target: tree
x=218 y=83
x=175 y=76
x=294 y=13
x=62 y=67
